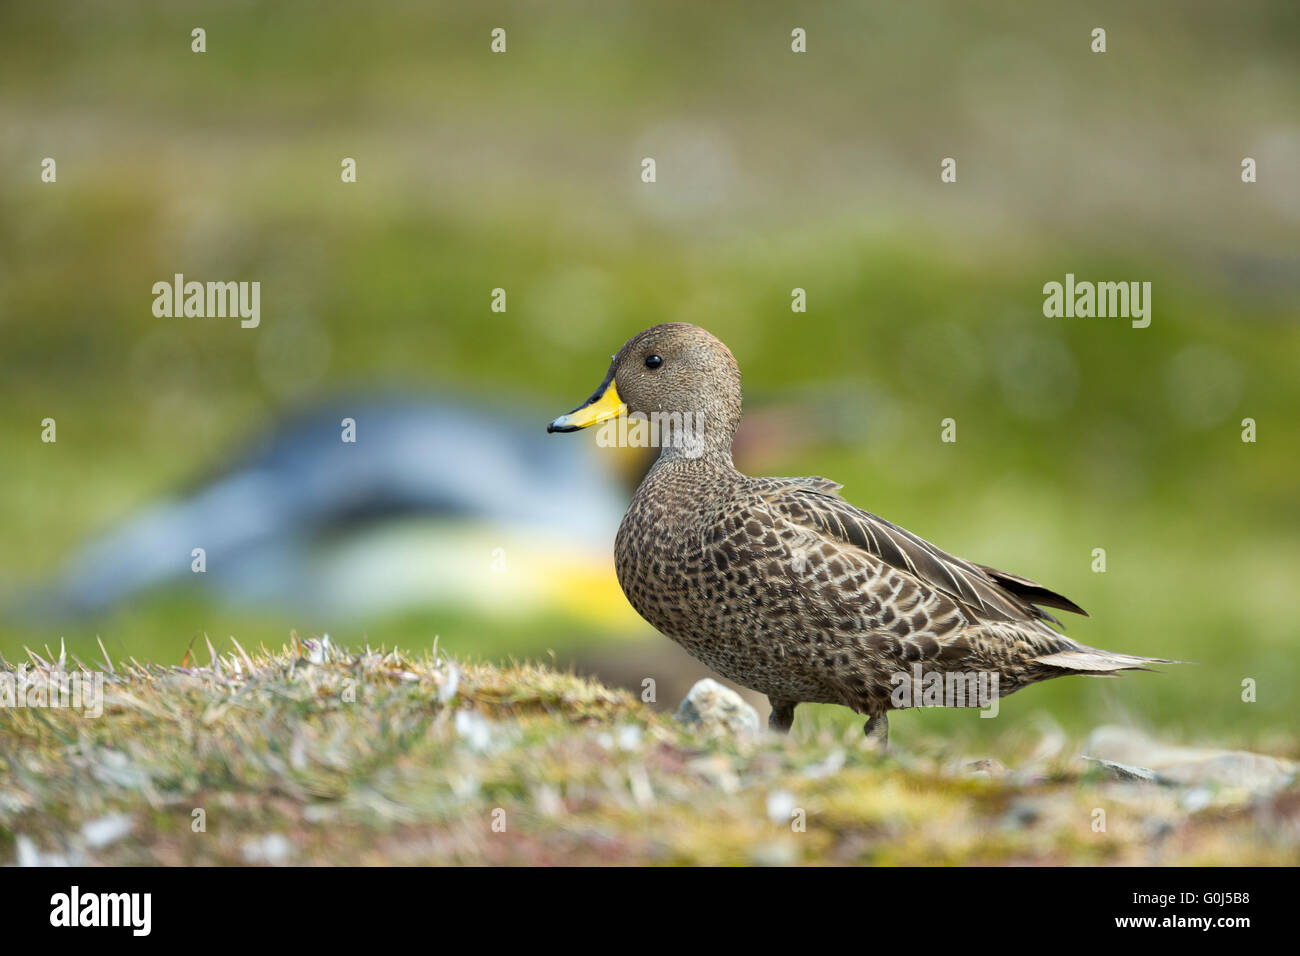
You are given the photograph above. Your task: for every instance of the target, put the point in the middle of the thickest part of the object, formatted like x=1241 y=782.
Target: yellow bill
x=602 y=406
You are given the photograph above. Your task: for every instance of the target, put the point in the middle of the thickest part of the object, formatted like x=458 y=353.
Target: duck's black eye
x=653 y=361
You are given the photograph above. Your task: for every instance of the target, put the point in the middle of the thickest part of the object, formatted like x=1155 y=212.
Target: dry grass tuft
x=313 y=754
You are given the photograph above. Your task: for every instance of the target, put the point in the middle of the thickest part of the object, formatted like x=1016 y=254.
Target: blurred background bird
x=307 y=521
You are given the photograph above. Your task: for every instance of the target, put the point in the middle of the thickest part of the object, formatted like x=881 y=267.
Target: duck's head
x=680 y=378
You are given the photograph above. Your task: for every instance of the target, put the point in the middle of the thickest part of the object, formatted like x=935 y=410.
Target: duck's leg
x=877 y=731
x=782 y=715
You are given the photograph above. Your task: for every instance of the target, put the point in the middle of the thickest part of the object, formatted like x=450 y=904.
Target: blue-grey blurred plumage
x=287 y=521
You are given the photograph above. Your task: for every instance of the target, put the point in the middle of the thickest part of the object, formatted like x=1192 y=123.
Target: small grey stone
x=1123 y=750
x=1156 y=828
x=710 y=709
x=980 y=767
x=1023 y=813
x=1124 y=771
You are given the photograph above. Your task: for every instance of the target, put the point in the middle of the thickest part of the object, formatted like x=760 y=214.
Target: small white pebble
x=28 y=855
x=450 y=683
x=272 y=848
x=780 y=804
x=713 y=709
x=465 y=787
x=473 y=729
x=100 y=833
x=549 y=803
x=639 y=782
x=833 y=763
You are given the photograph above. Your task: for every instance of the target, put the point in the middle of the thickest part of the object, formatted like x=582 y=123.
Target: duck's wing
x=1032 y=592
x=987 y=594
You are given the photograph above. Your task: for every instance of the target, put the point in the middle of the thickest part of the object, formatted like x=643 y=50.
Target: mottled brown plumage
x=782 y=586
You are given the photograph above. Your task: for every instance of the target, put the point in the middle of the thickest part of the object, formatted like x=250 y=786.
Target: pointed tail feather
x=1093 y=660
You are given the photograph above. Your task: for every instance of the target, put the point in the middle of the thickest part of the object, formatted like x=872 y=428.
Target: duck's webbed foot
x=782 y=715
x=877 y=731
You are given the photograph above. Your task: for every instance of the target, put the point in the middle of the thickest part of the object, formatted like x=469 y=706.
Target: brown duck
x=782 y=586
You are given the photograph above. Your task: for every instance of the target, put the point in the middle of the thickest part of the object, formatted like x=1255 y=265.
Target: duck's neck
x=688 y=461
x=702 y=436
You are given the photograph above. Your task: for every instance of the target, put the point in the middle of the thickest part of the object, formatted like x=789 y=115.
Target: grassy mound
x=317 y=755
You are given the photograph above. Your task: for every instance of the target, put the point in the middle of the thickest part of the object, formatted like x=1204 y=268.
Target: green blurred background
x=775 y=171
